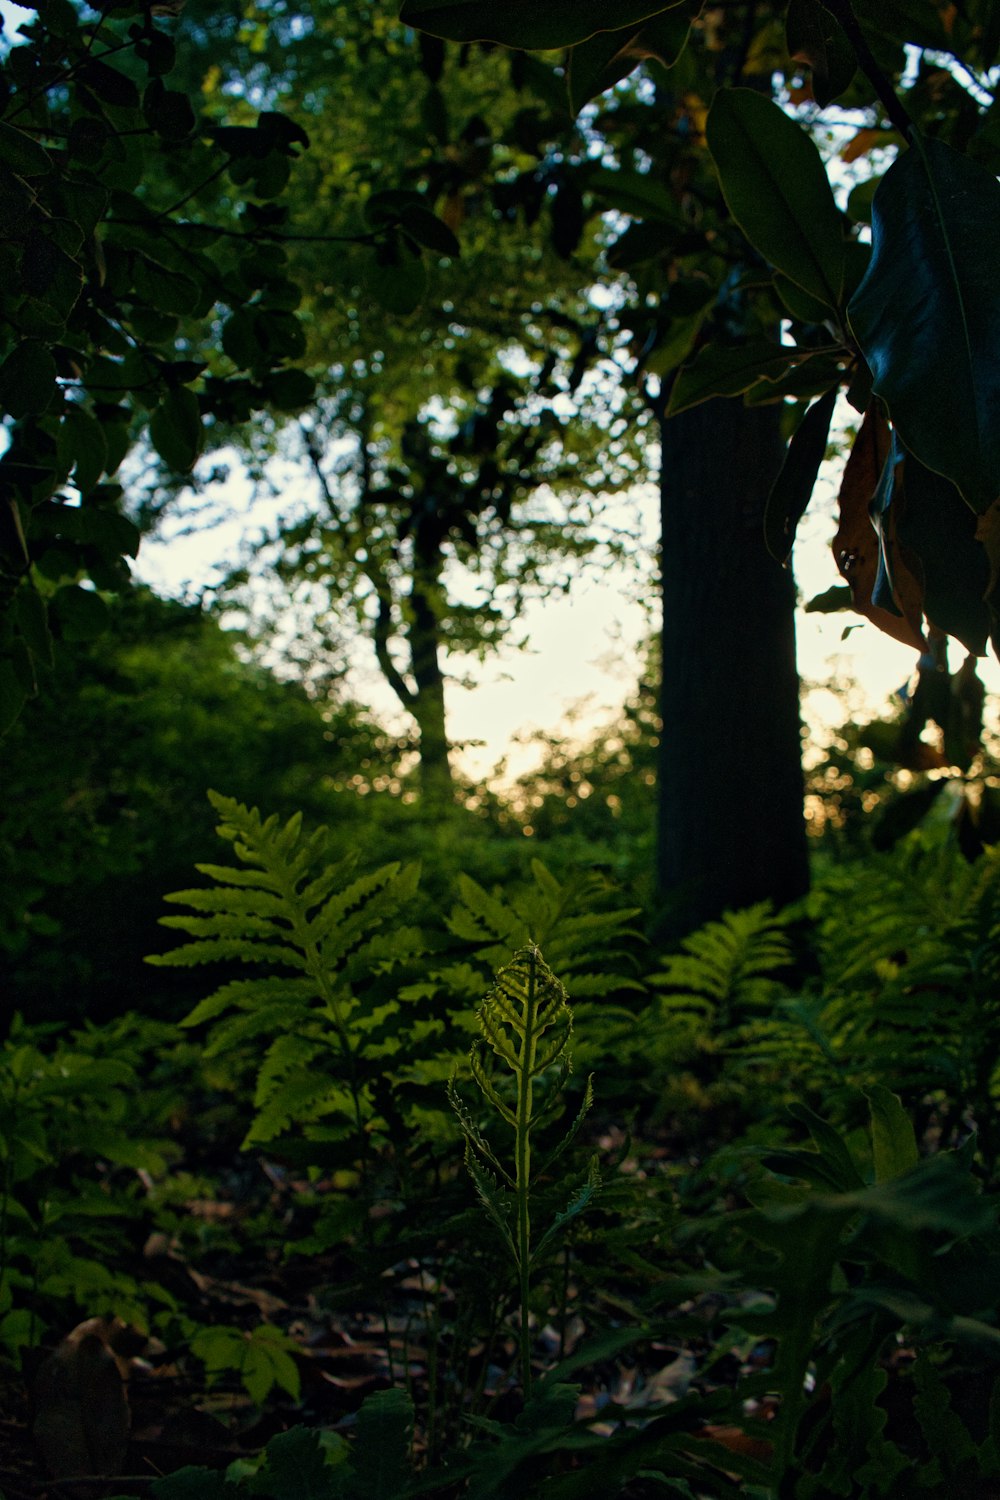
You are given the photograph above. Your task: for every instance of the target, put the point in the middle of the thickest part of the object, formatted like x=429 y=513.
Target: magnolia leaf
x=792 y=490
x=525 y=23
x=830 y=602
x=898 y=587
x=775 y=185
x=609 y=56
x=856 y=545
x=938 y=530
x=927 y=314
x=816 y=38
x=722 y=371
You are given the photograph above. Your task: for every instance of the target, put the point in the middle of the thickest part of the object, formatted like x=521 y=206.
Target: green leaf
x=525 y=23
x=83 y=447
x=927 y=314
x=28 y=379
x=32 y=620
x=720 y=371
x=294 y=1468
x=792 y=490
x=381 y=1454
x=80 y=613
x=777 y=190
x=607 y=57
x=395 y=276
x=175 y=429
x=13 y=694
x=817 y=38
x=937 y=527
x=894 y=1145
x=289 y=390
x=21 y=153
x=168 y=112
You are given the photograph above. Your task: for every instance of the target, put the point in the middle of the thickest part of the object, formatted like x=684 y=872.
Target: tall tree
x=437 y=440
x=891 y=320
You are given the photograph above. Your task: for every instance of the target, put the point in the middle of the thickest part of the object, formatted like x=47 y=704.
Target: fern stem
x=522 y=1157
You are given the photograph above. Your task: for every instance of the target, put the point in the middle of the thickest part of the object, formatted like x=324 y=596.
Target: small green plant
x=326 y=938
x=72 y=1139
x=526 y=1024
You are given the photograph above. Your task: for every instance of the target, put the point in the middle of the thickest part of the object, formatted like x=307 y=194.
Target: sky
x=583 y=654
x=584 y=647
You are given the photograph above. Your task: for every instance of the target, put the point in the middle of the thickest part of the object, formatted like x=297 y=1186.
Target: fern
x=727 y=967
x=584 y=939
x=324 y=936
x=526 y=1024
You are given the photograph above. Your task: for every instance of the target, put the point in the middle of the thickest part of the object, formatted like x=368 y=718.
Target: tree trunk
x=730 y=829
x=427 y=700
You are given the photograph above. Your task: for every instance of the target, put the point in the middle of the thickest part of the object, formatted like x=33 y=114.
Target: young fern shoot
x=526 y=1023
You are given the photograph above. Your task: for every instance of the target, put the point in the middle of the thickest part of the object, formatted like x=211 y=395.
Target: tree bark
x=731 y=829
x=423 y=631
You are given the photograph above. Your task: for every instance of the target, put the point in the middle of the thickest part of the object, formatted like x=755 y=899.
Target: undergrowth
x=802 y=1216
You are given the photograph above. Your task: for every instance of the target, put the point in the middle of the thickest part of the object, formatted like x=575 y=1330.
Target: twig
x=892 y=104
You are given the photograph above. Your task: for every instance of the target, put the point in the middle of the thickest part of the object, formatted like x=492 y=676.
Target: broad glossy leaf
x=792 y=490
x=898 y=587
x=927 y=314
x=83 y=447
x=176 y=430
x=526 y=23
x=777 y=190
x=289 y=390
x=22 y=153
x=720 y=371
x=939 y=529
x=81 y=614
x=27 y=379
x=32 y=620
x=396 y=277
x=856 y=548
x=607 y=57
x=817 y=38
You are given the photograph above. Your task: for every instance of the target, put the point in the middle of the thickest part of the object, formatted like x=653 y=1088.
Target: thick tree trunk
x=730 y=784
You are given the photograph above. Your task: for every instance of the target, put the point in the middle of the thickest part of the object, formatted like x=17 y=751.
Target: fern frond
x=292 y=908
x=248 y=994
x=731 y=962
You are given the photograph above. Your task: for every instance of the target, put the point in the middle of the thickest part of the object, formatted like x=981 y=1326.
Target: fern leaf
x=219 y=949
x=227 y=899
x=249 y=993
x=574 y=1129
x=473 y=1133
x=488 y=1088
x=229 y=875
x=493 y=1198
x=580 y=1201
